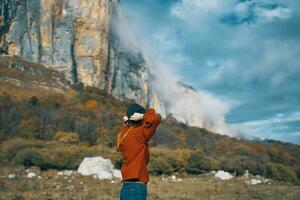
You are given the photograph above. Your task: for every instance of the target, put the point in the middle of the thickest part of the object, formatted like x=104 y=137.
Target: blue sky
x=246 y=51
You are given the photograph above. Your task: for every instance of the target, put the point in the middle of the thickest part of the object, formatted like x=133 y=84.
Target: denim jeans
x=133 y=191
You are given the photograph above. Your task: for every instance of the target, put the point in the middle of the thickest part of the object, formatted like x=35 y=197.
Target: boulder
x=99 y=167
x=223 y=175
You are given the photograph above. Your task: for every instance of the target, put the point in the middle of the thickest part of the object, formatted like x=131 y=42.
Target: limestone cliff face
x=76 y=38
x=71 y=36
x=91 y=42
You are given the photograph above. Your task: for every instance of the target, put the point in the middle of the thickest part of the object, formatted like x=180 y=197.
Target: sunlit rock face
x=91 y=41
x=71 y=36
x=75 y=37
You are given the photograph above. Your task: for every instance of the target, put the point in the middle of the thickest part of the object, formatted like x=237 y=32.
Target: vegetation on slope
x=58 y=128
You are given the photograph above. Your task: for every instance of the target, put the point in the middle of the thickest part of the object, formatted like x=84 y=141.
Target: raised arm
x=151 y=121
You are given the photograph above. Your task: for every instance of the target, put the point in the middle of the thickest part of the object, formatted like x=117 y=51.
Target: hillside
x=93 y=43
x=53 y=126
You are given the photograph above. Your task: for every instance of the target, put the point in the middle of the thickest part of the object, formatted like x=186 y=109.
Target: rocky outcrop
x=71 y=36
x=74 y=37
x=90 y=41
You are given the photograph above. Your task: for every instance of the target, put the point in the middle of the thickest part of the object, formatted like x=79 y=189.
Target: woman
x=132 y=141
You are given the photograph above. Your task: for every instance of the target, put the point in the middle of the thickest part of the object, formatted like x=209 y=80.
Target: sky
x=244 y=51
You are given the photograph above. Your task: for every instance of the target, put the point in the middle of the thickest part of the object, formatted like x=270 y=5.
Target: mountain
x=76 y=38
x=92 y=42
x=48 y=122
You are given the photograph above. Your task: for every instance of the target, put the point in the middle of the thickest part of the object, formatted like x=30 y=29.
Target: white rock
x=179 y=180
x=31 y=175
x=64 y=12
x=173 y=177
x=66 y=172
x=246 y=174
x=12 y=175
x=117 y=173
x=223 y=175
x=266 y=180
x=100 y=167
x=253 y=181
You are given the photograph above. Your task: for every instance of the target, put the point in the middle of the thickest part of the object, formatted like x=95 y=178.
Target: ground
x=50 y=186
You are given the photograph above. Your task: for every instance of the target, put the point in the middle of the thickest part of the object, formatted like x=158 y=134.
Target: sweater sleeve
x=151 y=121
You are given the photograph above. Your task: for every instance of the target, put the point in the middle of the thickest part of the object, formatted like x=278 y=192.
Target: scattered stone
x=85 y=189
x=66 y=172
x=223 y=175
x=172 y=178
x=258 y=180
x=34 y=169
x=246 y=174
x=12 y=176
x=70 y=187
x=31 y=175
x=253 y=181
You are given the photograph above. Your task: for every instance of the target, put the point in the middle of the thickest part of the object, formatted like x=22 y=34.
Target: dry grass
x=54 y=187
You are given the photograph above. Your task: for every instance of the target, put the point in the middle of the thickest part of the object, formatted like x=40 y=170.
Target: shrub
x=34 y=100
x=67 y=137
x=66 y=157
x=164 y=160
x=90 y=104
x=29 y=128
x=10 y=148
x=159 y=165
x=282 y=173
x=198 y=163
x=30 y=157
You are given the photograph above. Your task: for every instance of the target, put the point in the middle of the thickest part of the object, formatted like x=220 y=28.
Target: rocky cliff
x=90 y=42
x=75 y=37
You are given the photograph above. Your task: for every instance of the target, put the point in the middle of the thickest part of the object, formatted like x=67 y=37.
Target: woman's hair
x=126 y=126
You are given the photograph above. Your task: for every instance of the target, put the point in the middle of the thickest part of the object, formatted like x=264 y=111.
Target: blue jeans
x=133 y=191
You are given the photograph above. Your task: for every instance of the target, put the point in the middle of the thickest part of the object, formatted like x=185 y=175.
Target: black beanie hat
x=135 y=108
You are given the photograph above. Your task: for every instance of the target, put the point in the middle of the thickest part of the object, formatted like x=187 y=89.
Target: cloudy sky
x=245 y=51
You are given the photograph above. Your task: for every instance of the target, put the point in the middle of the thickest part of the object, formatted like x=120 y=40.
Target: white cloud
x=189 y=10
x=256 y=11
x=273 y=14
x=265 y=128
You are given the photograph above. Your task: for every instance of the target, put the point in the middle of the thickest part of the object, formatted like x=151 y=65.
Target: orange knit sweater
x=135 y=148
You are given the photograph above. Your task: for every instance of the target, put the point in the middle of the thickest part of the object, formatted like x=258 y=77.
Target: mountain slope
x=92 y=42
x=37 y=124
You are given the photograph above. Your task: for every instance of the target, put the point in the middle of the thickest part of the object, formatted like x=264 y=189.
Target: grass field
x=50 y=186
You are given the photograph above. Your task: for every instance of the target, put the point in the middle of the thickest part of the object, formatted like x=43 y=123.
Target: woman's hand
x=136 y=116
x=125 y=119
